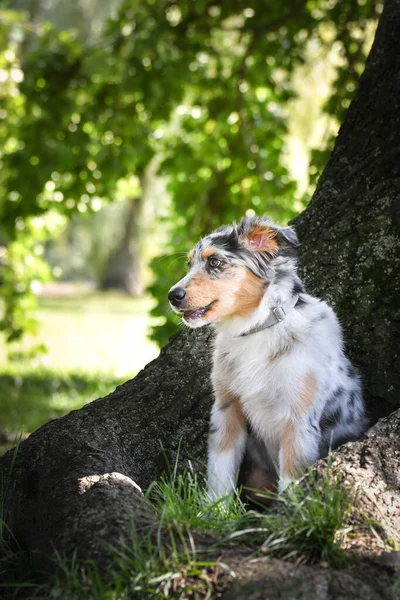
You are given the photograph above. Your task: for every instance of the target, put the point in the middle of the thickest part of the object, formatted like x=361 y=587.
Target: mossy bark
x=349 y=256
x=350 y=232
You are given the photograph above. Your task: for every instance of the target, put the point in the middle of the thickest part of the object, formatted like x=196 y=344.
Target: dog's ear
x=261 y=238
x=289 y=235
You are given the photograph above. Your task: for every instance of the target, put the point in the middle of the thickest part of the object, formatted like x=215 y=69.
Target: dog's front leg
x=298 y=450
x=300 y=437
x=227 y=442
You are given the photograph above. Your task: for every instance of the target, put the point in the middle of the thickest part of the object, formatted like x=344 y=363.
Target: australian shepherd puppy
x=285 y=392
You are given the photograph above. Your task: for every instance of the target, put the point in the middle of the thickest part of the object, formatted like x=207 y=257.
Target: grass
x=307 y=524
x=93 y=344
x=307 y=527
x=175 y=553
x=93 y=333
x=32 y=397
x=310 y=522
x=182 y=504
x=145 y=569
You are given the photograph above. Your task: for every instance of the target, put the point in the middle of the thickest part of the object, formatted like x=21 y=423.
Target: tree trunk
x=349 y=255
x=350 y=231
x=122 y=271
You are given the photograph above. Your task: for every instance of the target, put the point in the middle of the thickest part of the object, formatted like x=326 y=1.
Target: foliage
x=203 y=86
x=23 y=271
x=225 y=154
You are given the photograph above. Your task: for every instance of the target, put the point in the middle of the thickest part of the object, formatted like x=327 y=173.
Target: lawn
x=94 y=342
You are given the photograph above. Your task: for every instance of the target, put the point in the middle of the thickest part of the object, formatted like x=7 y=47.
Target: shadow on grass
x=30 y=399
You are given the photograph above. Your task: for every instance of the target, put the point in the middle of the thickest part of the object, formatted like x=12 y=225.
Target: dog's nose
x=175 y=295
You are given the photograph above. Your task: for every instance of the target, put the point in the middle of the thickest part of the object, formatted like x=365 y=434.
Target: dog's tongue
x=195 y=314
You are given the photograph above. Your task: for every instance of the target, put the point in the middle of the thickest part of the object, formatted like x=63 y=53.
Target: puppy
x=285 y=392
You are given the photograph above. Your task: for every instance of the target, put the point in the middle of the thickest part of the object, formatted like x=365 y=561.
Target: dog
x=285 y=391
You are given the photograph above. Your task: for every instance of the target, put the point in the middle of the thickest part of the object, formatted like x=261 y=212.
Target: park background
x=128 y=130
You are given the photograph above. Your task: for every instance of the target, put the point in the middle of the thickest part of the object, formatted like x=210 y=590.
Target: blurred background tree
x=128 y=129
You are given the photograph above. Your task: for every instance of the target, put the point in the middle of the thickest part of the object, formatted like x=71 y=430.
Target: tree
x=203 y=86
x=69 y=137
x=349 y=255
x=227 y=155
x=123 y=266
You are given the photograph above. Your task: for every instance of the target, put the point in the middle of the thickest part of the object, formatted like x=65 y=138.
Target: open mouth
x=198 y=313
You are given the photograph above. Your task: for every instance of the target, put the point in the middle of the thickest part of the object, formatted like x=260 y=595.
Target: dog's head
x=230 y=269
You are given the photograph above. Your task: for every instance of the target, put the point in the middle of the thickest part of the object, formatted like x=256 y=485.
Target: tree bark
x=350 y=232
x=349 y=256
x=133 y=432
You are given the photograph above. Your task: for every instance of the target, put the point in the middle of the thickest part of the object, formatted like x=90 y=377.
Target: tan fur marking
x=307 y=395
x=222 y=394
x=235 y=420
x=262 y=239
x=288 y=451
x=292 y=463
x=190 y=255
x=234 y=425
x=203 y=289
x=237 y=294
x=208 y=252
x=248 y=296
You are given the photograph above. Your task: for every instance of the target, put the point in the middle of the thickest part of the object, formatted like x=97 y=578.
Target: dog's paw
x=284 y=481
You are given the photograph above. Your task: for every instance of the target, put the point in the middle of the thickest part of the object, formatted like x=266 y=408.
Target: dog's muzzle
x=176 y=295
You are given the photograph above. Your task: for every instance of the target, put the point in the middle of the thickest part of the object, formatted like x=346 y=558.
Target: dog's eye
x=214 y=262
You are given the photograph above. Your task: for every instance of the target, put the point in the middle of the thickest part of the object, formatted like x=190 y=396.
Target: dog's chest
x=248 y=371
x=262 y=383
